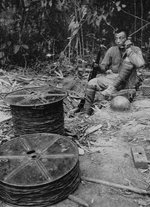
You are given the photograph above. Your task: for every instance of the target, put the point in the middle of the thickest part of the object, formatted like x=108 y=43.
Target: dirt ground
x=106 y=154
x=109 y=157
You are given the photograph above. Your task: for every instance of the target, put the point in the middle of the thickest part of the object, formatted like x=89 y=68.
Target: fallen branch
x=4 y=119
x=78 y=200
x=92 y=129
x=123 y=187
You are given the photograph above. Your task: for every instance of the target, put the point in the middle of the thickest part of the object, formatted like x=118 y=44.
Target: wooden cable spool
x=37 y=110
x=38 y=170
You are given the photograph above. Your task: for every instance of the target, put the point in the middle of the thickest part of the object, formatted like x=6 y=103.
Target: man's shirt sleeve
x=107 y=60
x=135 y=56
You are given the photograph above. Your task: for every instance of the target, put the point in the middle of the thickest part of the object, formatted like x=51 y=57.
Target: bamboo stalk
x=135 y=18
x=69 y=51
x=82 y=40
x=141 y=23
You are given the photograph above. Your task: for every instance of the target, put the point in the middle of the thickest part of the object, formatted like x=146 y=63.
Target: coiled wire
x=47 y=118
x=43 y=195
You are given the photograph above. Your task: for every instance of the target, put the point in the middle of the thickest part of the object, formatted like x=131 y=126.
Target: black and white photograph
x=74 y=103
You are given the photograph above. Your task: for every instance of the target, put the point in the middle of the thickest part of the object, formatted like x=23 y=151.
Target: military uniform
x=122 y=66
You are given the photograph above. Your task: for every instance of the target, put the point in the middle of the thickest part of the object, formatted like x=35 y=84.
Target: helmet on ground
x=120 y=103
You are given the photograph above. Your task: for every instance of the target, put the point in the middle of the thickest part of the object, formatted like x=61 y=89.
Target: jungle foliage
x=32 y=31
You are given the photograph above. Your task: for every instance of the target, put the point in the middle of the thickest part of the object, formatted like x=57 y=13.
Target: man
x=118 y=70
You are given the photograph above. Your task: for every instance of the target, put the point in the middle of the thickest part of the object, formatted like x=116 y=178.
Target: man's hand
x=95 y=65
x=109 y=91
x=128 y=43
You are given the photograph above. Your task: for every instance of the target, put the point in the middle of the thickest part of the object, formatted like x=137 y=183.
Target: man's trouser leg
x=96 y=84
x=89 y=99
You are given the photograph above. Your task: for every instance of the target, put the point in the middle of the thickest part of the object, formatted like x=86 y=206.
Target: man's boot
x=89 y=99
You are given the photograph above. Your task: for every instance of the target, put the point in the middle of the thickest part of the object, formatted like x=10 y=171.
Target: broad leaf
x=123 y=5
x=1 y=55
x=25 y=47
x=117 y=3
x=50 y=3
x=75 y=32
x=95 y=13
x=16 y=48
x=118 y=8
x=98 y=21
x=104 y=17
x=3 y=46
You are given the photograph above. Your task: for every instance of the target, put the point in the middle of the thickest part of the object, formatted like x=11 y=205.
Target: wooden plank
x=139 y=157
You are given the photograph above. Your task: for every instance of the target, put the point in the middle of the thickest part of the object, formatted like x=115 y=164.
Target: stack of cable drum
x=37 y=110
x=38 y=170
x=39 y=167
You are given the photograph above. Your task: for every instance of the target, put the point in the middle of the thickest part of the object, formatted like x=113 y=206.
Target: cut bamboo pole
x=123 y=187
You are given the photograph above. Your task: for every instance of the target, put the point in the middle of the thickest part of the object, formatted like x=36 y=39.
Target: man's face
x=120 y=39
